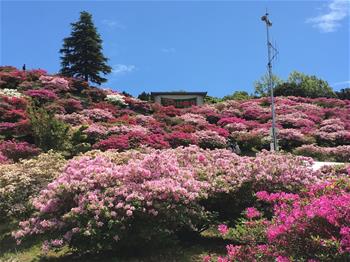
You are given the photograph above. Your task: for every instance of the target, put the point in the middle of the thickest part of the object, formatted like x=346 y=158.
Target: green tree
x=82 y=52
x=212 y=100
x=48 y=131
x=262 y=86
x=237 y=95
x=344 y=93
x=300 y=84
x=144 y=96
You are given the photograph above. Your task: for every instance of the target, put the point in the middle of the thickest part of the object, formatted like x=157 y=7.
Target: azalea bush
x=177 y=138
x=10 y=93
x=101 y=202
x=138 y=202
x=310 y=226
x=97 y=114
x=339 y=153
x=71 y=105
x=210 y=139
x=41 y=96
x=242 y=177
x=22 y=181
x=15 y=150
x=55 y=83
x=116 y=99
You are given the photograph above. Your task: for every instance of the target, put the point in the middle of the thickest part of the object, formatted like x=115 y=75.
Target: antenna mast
x=271 y=52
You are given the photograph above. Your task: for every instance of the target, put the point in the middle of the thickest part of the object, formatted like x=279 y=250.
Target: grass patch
x=30 y=251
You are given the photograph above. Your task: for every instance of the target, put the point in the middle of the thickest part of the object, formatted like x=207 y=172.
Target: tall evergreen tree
x=82 y=52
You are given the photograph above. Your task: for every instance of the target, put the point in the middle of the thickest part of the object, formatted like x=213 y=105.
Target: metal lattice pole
x=274 y=145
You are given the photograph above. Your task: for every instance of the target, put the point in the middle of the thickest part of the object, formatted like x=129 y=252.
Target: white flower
x=10 y=92
x=116 y=99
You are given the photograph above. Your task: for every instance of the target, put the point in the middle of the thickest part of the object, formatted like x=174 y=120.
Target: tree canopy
x=82 y=52
x=262 y=85
x=297 y=84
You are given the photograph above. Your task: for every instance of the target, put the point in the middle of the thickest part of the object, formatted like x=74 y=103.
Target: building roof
x=178 y=93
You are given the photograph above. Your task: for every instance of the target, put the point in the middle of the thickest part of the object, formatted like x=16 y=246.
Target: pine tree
x=82 y=52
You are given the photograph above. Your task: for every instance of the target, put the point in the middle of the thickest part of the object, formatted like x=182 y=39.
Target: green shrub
x=48 y=131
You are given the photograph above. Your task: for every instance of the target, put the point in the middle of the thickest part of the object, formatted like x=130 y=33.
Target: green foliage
x=237 y=95
x=79 y=140
x=307 y=86
x=249 y=231
x=262 y=86
x=82 y=52
x=344 y=93
x=48 y=131
x=124 y=93
x=144 y=96
x=298 y=84
x=212 y=100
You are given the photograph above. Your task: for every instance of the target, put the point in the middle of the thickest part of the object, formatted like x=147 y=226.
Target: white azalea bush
x=116 y=99
x=10 y=92
x=22 y=181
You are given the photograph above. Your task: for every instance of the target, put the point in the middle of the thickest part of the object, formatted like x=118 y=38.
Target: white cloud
x=113 y=24
x=342 y=83
x=169 y=50
x=330 y=20
x=121 y=69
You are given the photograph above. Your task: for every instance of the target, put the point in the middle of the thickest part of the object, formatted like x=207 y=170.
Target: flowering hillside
x=313 y=127
x=91 y=170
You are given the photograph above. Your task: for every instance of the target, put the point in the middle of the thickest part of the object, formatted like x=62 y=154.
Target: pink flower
x=252 y=212
x=129 y=213
x=223 y=229
x=282 y=259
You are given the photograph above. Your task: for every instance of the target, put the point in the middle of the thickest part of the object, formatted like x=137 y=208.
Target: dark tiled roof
x=179 y=93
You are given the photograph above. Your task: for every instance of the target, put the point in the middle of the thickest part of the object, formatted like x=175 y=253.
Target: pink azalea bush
x=98 y=204
x=210 y=139
x=55 y=83
x=97 y=114
x=339 y=153
x=97 y=199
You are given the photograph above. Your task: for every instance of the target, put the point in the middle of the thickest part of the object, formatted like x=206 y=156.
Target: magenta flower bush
x=15 y=151
x=309 y=226
x=4 y=159
x=41 y=95
x=120 y=143
x=71 y=105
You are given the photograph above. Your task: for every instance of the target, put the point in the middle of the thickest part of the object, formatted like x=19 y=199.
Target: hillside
x=88 y=174
x=104 y=119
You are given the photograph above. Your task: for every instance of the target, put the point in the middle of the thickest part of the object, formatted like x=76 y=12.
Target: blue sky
x=214 y=46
